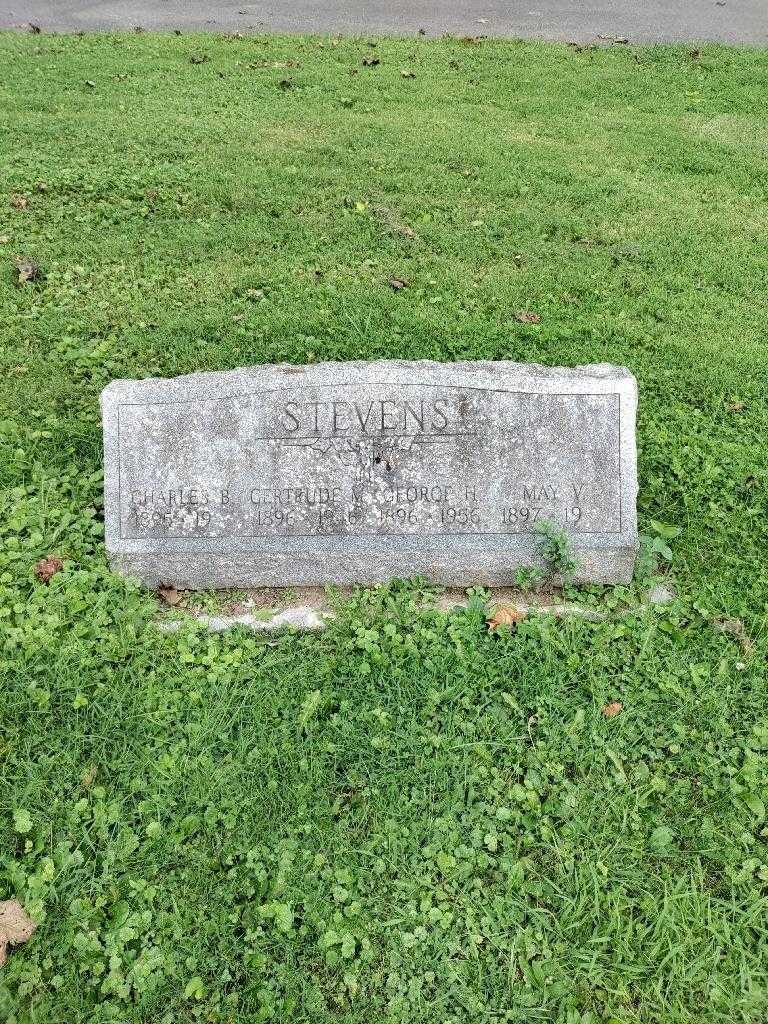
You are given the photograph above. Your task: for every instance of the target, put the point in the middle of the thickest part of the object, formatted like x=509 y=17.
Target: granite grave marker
x=361 y=472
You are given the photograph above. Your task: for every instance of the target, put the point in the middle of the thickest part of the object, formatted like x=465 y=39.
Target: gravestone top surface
x=362 y=472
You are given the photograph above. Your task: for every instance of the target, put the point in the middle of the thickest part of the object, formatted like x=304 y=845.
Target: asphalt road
x=734 y=21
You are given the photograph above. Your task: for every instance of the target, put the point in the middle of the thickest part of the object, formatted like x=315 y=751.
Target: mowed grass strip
x=408 y=818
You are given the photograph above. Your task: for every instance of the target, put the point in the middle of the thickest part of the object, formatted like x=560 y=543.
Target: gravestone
x=363 y=472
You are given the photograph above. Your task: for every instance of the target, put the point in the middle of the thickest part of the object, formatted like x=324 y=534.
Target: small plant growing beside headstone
x=555 y=548
x=529 y=578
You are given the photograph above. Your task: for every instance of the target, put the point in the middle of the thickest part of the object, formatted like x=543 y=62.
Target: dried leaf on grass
x=390 y=222
x=736 y=629
x=27 y=271
x=505 y=615
x=18 y=201
x=613 y=708
x=48 y=567
x=16 y=926
x=525 y=316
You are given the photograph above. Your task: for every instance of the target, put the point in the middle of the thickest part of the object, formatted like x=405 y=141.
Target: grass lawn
x=407 y=818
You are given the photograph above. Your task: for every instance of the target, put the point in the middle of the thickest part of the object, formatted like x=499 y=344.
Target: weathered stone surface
x=361 y=472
